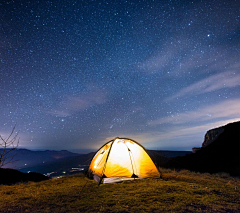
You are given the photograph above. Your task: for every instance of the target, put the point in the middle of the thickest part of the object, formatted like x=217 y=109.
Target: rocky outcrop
x=212 y=135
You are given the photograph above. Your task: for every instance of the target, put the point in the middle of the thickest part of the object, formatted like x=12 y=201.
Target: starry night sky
x=75 y=74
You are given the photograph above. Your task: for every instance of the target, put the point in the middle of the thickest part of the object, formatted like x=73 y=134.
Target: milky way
x=75 y=74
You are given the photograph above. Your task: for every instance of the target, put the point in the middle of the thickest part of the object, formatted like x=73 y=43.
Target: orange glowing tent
x=122 y=159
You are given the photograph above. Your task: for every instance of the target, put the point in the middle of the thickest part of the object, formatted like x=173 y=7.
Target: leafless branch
x=8 y=145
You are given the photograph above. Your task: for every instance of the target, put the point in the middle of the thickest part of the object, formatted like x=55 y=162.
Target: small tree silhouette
x=7 y=145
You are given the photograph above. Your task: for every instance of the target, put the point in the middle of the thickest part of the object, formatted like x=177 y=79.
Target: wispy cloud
x=167 y=58
x=183 y=57
x=182 y=136
x=228 y=109
x=210 y=84
x=158 y=62
x=181 y=130
x=72 y=104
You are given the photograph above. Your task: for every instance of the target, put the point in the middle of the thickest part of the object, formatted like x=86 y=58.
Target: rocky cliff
x=212 y=135
x=219 y=153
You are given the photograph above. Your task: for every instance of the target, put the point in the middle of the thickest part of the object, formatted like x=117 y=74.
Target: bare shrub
x=7 y=145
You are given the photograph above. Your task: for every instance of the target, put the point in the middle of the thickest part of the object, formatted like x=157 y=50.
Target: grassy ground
x=182 y=191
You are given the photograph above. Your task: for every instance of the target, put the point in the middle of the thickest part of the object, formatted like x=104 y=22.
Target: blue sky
x=75 y=74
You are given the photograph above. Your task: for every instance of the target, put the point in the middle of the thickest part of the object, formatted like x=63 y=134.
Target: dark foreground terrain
x=12 y=176
x=177 y=192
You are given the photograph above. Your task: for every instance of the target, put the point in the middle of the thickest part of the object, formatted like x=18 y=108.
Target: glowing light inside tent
x=122 y=158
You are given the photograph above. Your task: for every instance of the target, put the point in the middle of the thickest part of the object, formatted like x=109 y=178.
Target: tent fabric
x=99 y=159
x=122 y=159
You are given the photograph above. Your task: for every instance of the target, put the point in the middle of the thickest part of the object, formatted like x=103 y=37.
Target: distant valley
x=24 y=158
x=62 y=163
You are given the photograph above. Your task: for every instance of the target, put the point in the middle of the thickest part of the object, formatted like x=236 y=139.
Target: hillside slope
x=219 y=153
x=178 y=192
x=12 y=176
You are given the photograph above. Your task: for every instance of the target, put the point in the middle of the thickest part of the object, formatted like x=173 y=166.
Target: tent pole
x=131 y=161
x=105 y=163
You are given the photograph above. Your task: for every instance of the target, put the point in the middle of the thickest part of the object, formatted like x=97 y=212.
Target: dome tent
x=122 y=159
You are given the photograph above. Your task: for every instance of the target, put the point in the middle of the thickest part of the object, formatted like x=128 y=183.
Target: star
x=88 y=70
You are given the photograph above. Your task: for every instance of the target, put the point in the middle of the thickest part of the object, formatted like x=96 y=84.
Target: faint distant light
x=78 y=169
x=62 y=120
x=208 y=35
x=25 y=164
x=64 y=172
x=29 y=171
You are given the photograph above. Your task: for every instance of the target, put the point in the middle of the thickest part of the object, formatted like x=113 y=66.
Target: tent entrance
x=116 y=179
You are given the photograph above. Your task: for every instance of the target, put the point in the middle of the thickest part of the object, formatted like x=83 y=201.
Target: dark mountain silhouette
x=11 y=176
x=64 y=166
x=169 y=154
x=161 y=157
x=26 y=158
x=80 y=163
x=219 y=152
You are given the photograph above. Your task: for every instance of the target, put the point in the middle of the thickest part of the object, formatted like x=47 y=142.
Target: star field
x=75 y=74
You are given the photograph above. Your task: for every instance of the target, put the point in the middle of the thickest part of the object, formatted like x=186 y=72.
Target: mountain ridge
x=25 y=157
